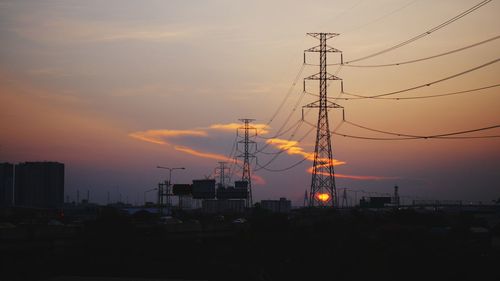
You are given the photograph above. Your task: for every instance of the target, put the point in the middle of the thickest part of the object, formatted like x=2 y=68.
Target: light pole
x=170 y=172
x=167 y=190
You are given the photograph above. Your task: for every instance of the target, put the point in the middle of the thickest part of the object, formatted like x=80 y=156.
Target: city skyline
x=114 y=89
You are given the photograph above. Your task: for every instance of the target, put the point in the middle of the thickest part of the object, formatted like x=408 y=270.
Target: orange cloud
x=159 y=136
x=354 y=177
x=258 y=180
x=261 y=128
x=363 y=177
x=202 y=154
x=292 y=148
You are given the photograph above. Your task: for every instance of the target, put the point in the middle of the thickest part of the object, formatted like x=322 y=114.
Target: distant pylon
x=344 y=199
x=396 y=196
x=223 y=172
x=323 y=189
x=248 y=131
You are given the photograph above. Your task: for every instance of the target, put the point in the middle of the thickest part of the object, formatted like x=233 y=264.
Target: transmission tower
x=344 y=199
x=248 y=131
x=223 y=172
x=396 y=197
x=323 y=190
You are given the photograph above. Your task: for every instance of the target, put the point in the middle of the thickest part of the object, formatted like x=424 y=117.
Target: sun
x=323 y=197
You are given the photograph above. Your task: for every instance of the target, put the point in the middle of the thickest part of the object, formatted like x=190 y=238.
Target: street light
x=170 y=172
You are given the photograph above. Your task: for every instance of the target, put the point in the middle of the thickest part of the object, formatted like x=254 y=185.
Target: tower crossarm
x=318 y=35
x=318 y=49
x=318 y=76
x=317 y=104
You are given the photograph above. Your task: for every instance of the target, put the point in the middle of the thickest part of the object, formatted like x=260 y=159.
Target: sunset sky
x=115 y=88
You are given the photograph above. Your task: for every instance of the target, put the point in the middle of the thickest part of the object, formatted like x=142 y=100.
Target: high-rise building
x=39 y=184
x=6 y=184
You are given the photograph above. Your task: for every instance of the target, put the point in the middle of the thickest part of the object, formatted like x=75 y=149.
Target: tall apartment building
x=6 y=184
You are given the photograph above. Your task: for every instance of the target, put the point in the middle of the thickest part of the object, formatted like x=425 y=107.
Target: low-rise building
x=212 y=206
x=277 y=206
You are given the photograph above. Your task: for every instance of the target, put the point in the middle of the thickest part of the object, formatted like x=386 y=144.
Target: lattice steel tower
x=223 y=172
x=248 y=131
x=323 y=190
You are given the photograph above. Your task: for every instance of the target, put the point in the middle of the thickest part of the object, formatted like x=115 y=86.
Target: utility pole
x=248 y=131
x=323 y=189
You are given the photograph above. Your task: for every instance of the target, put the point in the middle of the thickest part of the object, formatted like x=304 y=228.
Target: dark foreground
x=305 y=245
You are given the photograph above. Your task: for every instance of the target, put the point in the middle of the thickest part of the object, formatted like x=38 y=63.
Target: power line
x=284 y=169
x=423 y=97
x=231 y=156
x=282 y=133
x=279 y=132
x=426 y=84
x=297 y=127
x=455 y=18
x=403 y=136
x=342 y=13
x=285 y=149
x=289 y=92
x=297 y=163
x=425 y=58
x=445 y=135
x=381 y=17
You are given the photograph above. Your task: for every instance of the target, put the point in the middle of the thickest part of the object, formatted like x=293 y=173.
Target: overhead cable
x=281 y=151
x=423 y=97
x=289 y=92
x=280 y=130
x=426 y=84
x=381 y=17
x=424 y=58
x=404 y=136
x=455 y=18
x=264 y=167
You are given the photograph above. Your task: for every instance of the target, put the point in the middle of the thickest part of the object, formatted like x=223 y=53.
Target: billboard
x=203 y=189
x=181 y=189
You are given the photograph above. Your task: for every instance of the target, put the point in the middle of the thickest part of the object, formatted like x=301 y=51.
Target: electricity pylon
x=223 y=172
x=248 y=131
x=323 y=190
